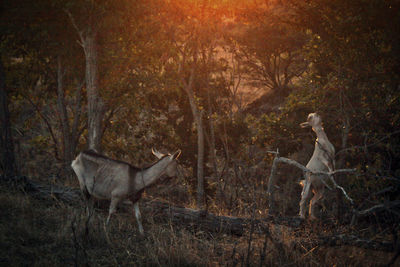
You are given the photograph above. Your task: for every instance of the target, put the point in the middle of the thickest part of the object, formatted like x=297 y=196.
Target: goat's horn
x=177 y=154
x=156 y=153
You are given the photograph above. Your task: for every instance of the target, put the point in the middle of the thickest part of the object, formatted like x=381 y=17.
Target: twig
x=234 y=261
x=396 y=246
x=47 y=122
x=305 y=169
x=368 y=145
x=75 y=25
x=76 y=245
x=263 y=251
x=251 y=229
x=386 y=206
x=341 y=188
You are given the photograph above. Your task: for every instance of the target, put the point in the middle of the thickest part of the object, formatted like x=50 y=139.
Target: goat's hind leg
x=305 y=195
x=89 y=202
x=319 y=194
x=135 y=200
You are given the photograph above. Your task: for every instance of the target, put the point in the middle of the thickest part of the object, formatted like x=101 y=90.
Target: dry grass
x=39 y=232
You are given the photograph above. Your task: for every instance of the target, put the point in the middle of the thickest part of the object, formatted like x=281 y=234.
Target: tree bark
x=70 y=134
x=271 y=184
x=340 y=162
x=8 y=163
x=65 y=127
x=88 y=38
x=75 y=130
x=95 y=103
x=197 y=116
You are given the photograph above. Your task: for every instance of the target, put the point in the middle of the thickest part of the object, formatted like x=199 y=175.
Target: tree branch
x=46 y=121
x=368 y=145
x=277 y=159
x=80 y=32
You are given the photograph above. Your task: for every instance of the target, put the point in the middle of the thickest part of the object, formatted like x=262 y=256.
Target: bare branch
x=330 y=174
x=48 y=125
x=385 y=206
x=339 y=187
x=305 y=169
x=80 y=32
x=368 y=145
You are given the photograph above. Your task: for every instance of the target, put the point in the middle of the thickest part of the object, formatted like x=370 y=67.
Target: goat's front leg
x=113 y=207
x=328 y=163
x=138 y=217
x=304 y=196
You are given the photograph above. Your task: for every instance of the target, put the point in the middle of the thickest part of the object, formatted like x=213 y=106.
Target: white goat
x=323 y=159
x=105 y=178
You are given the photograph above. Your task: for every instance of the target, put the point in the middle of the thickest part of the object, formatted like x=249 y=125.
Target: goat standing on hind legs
x=105 y=178
x=323 y=159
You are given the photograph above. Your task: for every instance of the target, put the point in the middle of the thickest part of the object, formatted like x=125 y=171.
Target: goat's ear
x=176 y=154
x=156 y=153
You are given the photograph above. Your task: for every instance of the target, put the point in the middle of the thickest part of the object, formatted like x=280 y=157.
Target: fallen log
x=196 y=219
x=352 y=240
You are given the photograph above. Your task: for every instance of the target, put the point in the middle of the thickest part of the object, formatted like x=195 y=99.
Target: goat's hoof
x=141 y=236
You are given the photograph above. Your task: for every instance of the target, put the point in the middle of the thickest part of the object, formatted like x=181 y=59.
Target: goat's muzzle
x=305 y=124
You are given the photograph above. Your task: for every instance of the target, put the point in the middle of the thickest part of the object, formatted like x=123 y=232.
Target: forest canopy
x=223 y=80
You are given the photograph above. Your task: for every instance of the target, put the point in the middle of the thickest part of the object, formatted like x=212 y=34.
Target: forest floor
x=49 y=232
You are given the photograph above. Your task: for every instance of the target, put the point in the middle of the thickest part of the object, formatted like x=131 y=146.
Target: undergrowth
x=38 y=232
x=48 y=232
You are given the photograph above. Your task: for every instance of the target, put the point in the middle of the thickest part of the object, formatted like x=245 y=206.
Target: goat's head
x=313 y=120
x=172 y=169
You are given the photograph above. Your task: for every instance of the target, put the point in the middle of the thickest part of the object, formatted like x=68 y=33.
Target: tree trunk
x=75 y=131
x=7 y=164
x=341 y=160
x=213 y=156
x=201 y=201
x=70 y=134
x=197 y=116
x=65 y=127
x=95 y=103
x=271 y=185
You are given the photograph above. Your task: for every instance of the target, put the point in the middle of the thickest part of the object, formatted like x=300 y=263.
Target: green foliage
x=339 y=58
x=270 y=49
